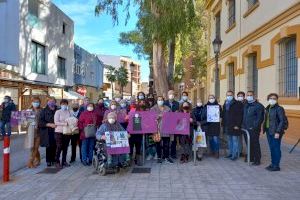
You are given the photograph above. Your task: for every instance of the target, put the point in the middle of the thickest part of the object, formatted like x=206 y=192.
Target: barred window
x=251 y=3
x=252 y=73
x=33 y=7
x=288 y=68
x=231 y=78
x=61 y=67
x=231 y=13
x=218 y=25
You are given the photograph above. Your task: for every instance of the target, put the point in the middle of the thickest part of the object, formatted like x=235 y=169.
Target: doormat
x=49 y=171
x=141 y=170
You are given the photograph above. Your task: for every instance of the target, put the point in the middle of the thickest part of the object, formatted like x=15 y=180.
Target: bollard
x=6 y=150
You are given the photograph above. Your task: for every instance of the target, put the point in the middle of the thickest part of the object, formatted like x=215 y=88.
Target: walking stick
x=294 y=146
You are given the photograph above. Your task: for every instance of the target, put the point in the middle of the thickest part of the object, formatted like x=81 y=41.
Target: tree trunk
x=159 y=69
x=121 y=91
x=170 y=70
x=112 y=90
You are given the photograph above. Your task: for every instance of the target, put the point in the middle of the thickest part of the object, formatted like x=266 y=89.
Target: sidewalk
x=210 y=179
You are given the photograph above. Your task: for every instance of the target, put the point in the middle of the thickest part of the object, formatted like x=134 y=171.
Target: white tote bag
x=200 y=139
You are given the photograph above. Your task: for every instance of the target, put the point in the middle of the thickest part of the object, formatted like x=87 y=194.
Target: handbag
x=90 y=130
x=67 y=130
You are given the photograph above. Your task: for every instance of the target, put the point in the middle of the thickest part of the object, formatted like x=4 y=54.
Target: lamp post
x=131 y=74
x=217 y=47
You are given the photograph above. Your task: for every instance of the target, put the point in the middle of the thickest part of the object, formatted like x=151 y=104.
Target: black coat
x=197 y=111
x=46 y=116
x=276 y=118
x=233 y=118
x=174 y=106
x=6 y=112
x=210 y=128
x=254 y=114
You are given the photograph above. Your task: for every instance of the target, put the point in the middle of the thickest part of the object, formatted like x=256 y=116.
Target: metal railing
x=248 y=145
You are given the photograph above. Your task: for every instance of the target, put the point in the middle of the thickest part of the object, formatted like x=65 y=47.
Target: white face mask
x=160 y=103
x=212 y=100
x=90 y=108
x=272 y=102
x=240 y=98
x=171 y=96
x=184 y=98
x=123 y=105
x=199 y=104
x=113 y=107
x=111 y=120
x=117 y=99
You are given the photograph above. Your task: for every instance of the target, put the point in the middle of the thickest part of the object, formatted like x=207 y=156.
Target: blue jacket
x=253 y=116
x=174 y=106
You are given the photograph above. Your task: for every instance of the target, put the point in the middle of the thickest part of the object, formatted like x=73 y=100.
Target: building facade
x=117 y=62
x=37 y=49
x=88 y=74
x=260 y=51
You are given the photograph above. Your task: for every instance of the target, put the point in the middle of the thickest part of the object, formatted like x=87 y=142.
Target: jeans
x=214 y=144
x=87 y=149
x=5 y=128
x=275 y=149
x=233 y=145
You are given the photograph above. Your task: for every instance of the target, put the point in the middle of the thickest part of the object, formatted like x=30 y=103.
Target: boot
x=37 y=160
x=182 y=158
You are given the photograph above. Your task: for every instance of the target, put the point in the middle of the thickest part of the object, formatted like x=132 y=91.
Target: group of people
x=56 y=126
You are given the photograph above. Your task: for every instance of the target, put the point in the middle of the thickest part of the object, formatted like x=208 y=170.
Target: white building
x=260 y=51
x=37 y=53
x=117 y=62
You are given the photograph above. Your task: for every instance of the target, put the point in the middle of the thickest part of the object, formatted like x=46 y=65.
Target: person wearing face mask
x=113 y=107
x=232 y=122
x=275 y=124
x=174 y=106
x=47 y=128
x=75 y=140
x=186 y=140
x=241 y=97
x=7 y=107
x=141 y=96
x=33 y=134
x=253 y=118
x=212 y=129
x=88 y=118
x=197 y=112
x=112 y=125
x=184 y=98
x=160 y=108
x=62 y=140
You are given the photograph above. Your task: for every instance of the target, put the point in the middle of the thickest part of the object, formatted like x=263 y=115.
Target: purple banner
x=176 y=123
x=142 y=122
x=21 y=117
x=117 y=142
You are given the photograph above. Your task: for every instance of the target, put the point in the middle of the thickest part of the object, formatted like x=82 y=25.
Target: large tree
x=111 y=77
x=160 y=22
x=122 y=78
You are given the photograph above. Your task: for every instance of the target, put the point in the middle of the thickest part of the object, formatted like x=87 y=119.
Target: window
x=251 y=3
x=288 y=68
x=38 y=63
x=92 y=75
x=231 y=13
x=252 y=73
x=218 y=25
x=33 y=7
x=231 y=78
x=61 y=68
x=64 y=28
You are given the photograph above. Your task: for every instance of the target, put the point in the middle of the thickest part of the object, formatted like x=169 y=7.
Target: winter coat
x=32 y=131
x=46 y=116
x=210 y=128
x=233 y=118
x=253 y=118
x=197 y=111
x=7 y=108
x=275 y=115
x=173 y=105
x=86 y=118
x=60 y=118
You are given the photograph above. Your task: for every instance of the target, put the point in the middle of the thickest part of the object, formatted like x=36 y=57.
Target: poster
x=117 y=142
x=21 y=117
x=213 y=113
x=176 y=123
x=142 y=122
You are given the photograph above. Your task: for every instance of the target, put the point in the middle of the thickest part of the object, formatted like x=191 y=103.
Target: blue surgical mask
x=64 y=107
x=123 y=105
x=141 y=97
x=35 y=104
x=250 y=99
x=229 y=98
x=184 y=98
x=160 y=103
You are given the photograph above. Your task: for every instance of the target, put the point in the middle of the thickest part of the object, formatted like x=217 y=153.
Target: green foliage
x=111 y=76
x=122 y=76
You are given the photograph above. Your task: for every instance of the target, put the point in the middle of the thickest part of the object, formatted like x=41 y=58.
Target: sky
x=97 y=34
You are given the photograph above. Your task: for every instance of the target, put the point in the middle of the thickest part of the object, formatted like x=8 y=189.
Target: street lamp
x=217 y=47
x=131 y=74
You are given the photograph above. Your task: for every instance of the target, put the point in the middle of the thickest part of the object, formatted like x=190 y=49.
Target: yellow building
x=260 y=51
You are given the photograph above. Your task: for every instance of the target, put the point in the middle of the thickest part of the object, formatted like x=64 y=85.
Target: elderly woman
x=160 y=108
x=112 y=125
x=113 y=107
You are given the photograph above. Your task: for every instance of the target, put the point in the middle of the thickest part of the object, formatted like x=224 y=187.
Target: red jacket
x=87 y=117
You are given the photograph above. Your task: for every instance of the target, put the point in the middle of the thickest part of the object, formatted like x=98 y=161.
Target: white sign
x=115 y=139
x=213 y=113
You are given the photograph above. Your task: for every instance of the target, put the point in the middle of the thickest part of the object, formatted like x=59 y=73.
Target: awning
x=72 y=95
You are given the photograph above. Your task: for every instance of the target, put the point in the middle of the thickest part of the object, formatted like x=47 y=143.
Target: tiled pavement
x=209 y=179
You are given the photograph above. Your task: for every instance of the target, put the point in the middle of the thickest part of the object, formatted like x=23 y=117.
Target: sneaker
x=269 y=167
x=169 y=161
x=159 y=160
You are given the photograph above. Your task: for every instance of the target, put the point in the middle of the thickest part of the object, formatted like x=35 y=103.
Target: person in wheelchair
x=111 y=124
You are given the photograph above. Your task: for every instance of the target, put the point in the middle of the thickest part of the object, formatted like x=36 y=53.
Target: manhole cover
x=49 y=171
x=141 y=170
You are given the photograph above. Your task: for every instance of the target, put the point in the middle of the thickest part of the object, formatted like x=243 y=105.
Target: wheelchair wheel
x=95 y=162
x=101 y=169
